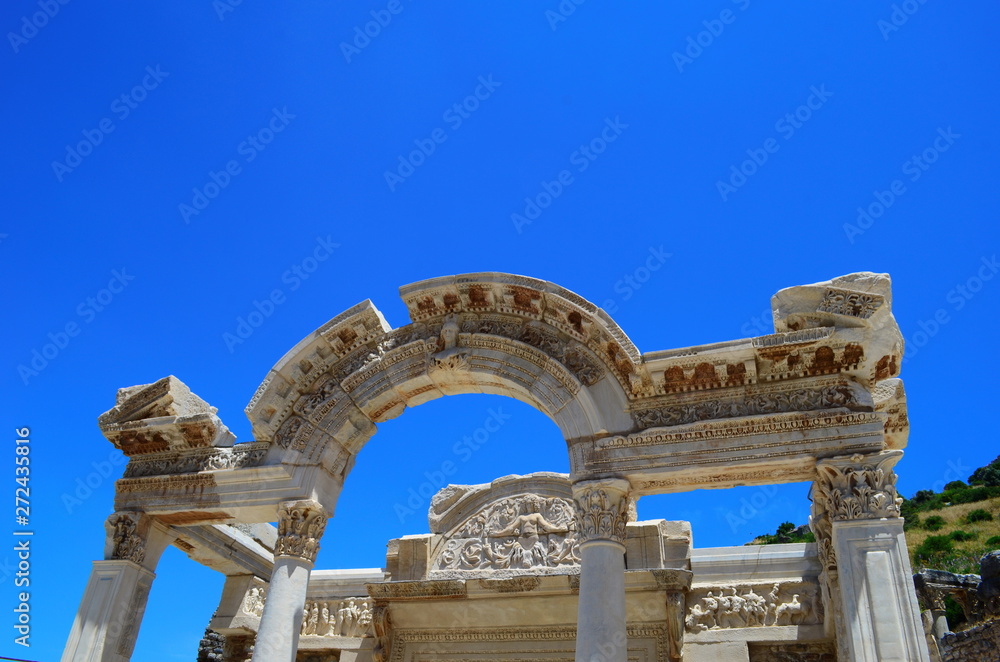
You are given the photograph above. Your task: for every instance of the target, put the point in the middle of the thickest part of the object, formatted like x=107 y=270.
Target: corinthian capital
x=603 y=508
x=300 y=526
x=858 y=486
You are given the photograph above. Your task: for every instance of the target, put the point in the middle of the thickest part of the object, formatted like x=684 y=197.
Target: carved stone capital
x=603 y=508
x=238 y=648
x=858 y=486
x=126 y=536
x=300 y=526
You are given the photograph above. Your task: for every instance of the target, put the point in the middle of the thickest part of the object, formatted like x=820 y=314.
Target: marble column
x=869 y=587
x=300 y=527
x=107 y=622
x=602 y=511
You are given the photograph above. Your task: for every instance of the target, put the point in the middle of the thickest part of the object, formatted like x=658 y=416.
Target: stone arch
x=480 y=333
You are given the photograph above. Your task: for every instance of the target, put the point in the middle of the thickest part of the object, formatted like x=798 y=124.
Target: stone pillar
x=107 y=622
x=869 y=589
x=602 y=511
x=300 y=526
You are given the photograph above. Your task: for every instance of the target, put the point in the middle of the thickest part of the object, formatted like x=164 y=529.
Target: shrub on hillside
x=962 y=536
x=934 y=547
x=955 y=485
x=934 y=523
x=978 y=515
x=993 y=543
x=988 y=476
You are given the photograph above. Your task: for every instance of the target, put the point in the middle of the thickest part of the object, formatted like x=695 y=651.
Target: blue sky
x=167 y=167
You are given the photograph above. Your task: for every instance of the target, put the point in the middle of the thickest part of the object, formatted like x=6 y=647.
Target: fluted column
x=107 y=622
x=300 y=527
x=602 y=511
x=869 y=587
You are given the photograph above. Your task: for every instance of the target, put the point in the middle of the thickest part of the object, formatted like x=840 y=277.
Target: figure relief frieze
x=750 y=606
x=350 y=617
x=300 y=527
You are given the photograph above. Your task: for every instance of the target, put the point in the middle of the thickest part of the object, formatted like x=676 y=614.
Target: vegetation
x=950 y=530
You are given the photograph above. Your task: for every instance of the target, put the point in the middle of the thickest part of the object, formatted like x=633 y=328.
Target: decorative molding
x=382 y=626
x=196 y=460
x=847 y=302
x=758 y=605
x=350 y=617
x=512 y=585
x=420 y=589
x=126 y=542
x=300 y=527
x=834 y=396
x=859 y=486
x=603 y=508
x=524 y=532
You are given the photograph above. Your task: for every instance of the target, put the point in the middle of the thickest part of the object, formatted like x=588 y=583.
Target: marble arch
x=816 y=401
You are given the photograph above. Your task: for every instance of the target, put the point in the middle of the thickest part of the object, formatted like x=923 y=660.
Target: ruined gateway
x=544 y=566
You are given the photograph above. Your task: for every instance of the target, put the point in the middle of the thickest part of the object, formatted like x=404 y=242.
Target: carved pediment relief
x=518 y=524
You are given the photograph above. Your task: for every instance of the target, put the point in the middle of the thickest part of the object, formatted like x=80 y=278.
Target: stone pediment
x=514 y=525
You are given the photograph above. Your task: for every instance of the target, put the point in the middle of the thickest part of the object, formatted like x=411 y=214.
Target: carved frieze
x=749 y=404
x=757 y=605
x=859 y=486
x=350 y=617
x=603 y=508
x=253 y=601
x=517 y=533
x=195 y=460
x=300 y=527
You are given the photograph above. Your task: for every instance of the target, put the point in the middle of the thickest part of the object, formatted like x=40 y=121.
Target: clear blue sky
x=196 y=153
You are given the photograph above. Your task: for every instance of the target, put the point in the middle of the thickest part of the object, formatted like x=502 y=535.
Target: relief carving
x=846 y=302
x=603 y=508
x=300 y=526
x=253 y=601
x=748 y=606
x=351 y=617
x=238 y=457
x=127 y=544
x=517 y=533
x=829 y=397
x=859 y=487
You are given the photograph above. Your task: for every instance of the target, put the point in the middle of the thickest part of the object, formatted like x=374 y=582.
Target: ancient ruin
x=544 y=566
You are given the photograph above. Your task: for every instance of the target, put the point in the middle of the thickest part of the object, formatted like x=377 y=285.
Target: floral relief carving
x=127 y=544
x=859 y=487
x=300 y=527
x=602 y=511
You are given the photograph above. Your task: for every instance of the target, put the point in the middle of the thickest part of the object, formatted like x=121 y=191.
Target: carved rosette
x=603 y=508
x=859 y=486
x=300 y=526
x=125 y=541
